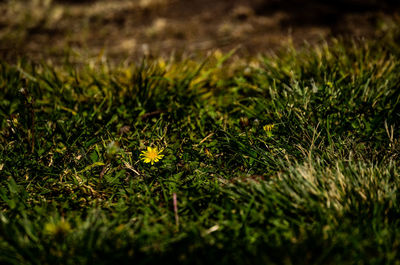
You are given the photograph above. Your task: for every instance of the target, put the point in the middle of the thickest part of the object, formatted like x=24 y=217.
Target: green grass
x=322 y=189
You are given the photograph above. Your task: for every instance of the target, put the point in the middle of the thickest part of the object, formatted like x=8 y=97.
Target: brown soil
x=41 y=29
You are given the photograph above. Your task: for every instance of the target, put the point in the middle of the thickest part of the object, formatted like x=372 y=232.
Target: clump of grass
x=293 y=158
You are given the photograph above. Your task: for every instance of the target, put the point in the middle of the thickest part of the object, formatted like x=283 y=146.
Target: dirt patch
x=42 y=29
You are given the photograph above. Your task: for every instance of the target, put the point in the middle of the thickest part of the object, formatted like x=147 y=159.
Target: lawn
x=287 y=158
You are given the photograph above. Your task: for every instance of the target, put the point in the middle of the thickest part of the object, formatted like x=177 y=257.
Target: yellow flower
x=268 y=129
x=151 y=155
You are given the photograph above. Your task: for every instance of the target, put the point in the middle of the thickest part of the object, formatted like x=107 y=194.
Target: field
x=129 y=29
x=291 y=157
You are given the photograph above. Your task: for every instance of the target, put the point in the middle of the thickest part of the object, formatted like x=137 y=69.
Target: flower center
x=152 y=154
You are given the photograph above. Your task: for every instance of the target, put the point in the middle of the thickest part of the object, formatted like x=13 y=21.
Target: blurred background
x=131 y=29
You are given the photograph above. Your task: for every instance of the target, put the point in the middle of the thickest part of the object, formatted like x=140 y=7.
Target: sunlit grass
x=292 y=158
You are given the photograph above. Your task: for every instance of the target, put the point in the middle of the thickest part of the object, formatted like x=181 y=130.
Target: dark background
x=131 y=29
